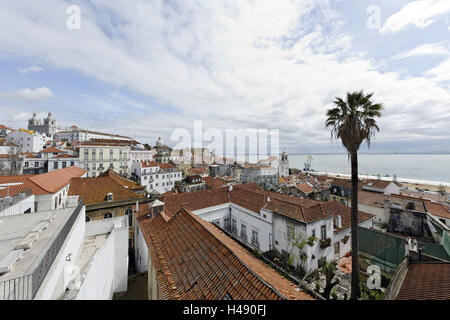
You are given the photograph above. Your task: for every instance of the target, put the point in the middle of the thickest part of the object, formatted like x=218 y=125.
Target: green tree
x=353 y=122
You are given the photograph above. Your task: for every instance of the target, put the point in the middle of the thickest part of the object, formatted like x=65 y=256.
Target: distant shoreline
x=365 y=176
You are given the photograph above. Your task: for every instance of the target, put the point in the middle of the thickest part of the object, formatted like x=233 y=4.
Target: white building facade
x=96 y=158
x=156 y=177
x=28 y=141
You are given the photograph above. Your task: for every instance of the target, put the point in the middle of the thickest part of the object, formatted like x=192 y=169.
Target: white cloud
x=426 y=49
x=32 y=95
x=440 y=72
x=32 y=69
x=420 y=13
x=233 y=64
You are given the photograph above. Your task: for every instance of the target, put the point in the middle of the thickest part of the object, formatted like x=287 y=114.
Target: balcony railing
x=325 y=243
x=255 y=243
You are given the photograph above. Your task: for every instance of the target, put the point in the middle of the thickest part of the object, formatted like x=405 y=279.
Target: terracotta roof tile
x=192 y=263
x=127 y=183
x=438 y=209
x=51 y=150
x=45 y=183
x=64 y=155
x=305 y=188
x=426 y=281
x=148 y=164
x=164 y=166
x=55 y=180
x=94 y=190
x=337 y=208
x=213 y=182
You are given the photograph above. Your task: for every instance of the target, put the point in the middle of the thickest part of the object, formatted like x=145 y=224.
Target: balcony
x=325 y=243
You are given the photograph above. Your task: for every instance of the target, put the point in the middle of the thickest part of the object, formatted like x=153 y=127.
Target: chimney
x=137 y=205
x=338 y=221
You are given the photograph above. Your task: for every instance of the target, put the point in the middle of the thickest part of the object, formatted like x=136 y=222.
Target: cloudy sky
x=147 y=68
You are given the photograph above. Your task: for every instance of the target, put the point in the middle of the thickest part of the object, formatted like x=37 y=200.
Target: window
x=255 y=238
x=36 y=164
x=227 y=224
x=244 y=231
x=64 y=164
x=323 y=232
x=313 y=233
x=26 y=164
x=88 y=219
x=129 y=213
x=336 y=248
x=72 y=163
x=217 y=222
x=108 y=215
x=233 y=226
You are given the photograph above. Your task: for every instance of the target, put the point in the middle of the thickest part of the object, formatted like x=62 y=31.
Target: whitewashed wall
x=55 y=284
x=141 y=252
x=19 y=207
x=98 y=282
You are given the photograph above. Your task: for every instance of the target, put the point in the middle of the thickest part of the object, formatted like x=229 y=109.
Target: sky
x=147 y=68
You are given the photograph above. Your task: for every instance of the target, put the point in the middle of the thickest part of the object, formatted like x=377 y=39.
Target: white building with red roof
x=4 y=130
x=50 y=189
x=156 y=177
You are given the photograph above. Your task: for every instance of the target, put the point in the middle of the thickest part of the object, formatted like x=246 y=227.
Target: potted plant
x=325 y=243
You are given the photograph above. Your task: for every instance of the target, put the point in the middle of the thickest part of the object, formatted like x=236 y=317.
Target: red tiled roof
x=55 y=180
x=213 y=182
x=305 y=188
x=3 y=127
x=249 y=197
x=39 y=184
x=94 y=190
x=191 y=263
x=196 y=200
x=51 y=150
x=127 y=183
x=148 y=164
x=24 y=184
x=4 y=143
x=437 y=209
x=379 y=184
x=164 y=166
x=426 y=281
x=337 y=208
x=345 y=183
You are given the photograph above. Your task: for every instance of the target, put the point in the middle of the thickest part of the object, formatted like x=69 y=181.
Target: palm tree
x=353 y=121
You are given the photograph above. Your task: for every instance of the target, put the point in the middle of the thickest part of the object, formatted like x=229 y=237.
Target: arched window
x=129 y=213
x=88 y=219
x=108 y=215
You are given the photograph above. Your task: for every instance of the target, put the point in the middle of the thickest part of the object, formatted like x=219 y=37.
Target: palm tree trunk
x=354 y=220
